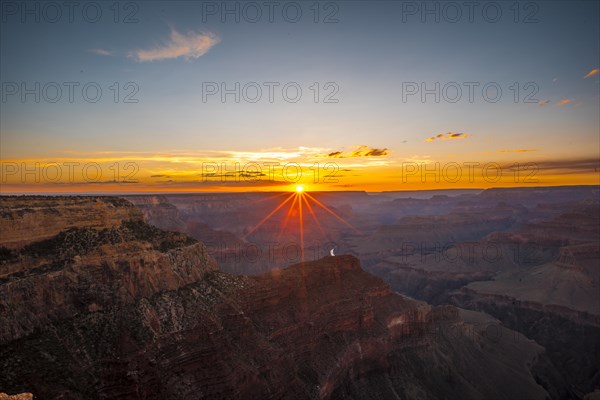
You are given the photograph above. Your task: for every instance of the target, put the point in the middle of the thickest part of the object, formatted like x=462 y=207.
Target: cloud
x=569 y=166
x=192 y=45
x=447 y=136
x=230 y=174
x=360 y=151
x=101 y=52
x=94 y=182
x=159 y=176
x=563 y=102
x=542 y=103
x=517 y=151
x=196 y=158
x=366 y=151
x=593 y=72
x=233 y=183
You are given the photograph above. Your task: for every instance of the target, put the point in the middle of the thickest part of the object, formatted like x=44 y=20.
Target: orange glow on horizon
x=150 y=176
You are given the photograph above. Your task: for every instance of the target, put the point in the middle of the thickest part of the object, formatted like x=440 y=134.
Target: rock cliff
x=125 y=310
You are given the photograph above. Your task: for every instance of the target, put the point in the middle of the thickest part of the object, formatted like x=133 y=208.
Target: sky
x=154 y=96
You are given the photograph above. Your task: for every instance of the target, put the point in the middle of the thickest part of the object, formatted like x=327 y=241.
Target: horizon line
x=117 y=194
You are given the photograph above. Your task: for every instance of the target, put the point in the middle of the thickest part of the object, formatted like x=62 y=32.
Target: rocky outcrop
x=88 y=266
x=159 y=212
x=28 y=219
x=320 y=330
x=94 y=282
x=581 y=258
x=21 y=396
x=571 y=338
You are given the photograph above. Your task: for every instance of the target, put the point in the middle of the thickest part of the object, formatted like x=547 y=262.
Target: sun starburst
x=300 y=200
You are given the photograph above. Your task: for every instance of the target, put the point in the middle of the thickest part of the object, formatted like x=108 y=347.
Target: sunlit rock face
x=28 y=219
x=125 y=310
x=21 y=396
x=95 y=260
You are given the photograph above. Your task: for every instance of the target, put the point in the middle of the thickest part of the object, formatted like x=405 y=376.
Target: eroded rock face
x=324 y=329
x=21 y=396
x=87 y=266
x=131 y=312
x=28 y=219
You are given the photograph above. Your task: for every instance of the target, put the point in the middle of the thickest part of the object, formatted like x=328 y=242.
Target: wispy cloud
x=447 y=136
x=366 y=151
x=563 y=102
x=189 y=46
x=569 y=166
x=517 y=151
x=360 y=151
x=277 y=154
x=593 y=72
x=243 y=174
x=542 y=103
x=101 y=52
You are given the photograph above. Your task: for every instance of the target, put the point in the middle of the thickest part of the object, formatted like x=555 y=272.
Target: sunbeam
x=301 y=220
x=268 y=216
x=323 y=206
x=314 y=216
x=287 y=217
x=301 y=199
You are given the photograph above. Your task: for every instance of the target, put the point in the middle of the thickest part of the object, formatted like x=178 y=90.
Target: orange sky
x=356 y=168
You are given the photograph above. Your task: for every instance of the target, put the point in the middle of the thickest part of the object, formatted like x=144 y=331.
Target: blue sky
x=368 y=55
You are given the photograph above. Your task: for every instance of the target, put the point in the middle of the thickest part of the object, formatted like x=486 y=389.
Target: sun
x=300 y=204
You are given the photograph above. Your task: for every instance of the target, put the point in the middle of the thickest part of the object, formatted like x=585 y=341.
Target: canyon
x=527 y=256
x=95 y=303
